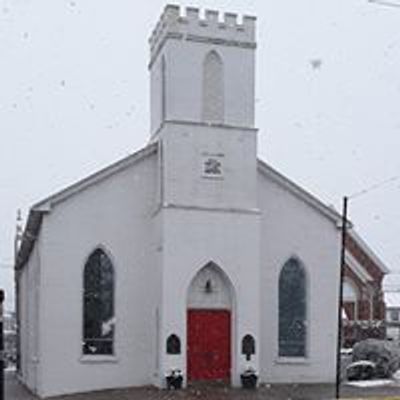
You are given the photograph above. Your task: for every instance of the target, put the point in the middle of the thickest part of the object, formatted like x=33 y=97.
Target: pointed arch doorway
x=209 y=322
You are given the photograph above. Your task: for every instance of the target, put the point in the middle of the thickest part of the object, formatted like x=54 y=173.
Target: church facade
x=191 y=254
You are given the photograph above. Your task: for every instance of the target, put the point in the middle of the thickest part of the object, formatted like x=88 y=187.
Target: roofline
x=58 y=197
x=370 y=253
x=353 y=264
x=302 y=194
x=37 y=211
x=31 y=233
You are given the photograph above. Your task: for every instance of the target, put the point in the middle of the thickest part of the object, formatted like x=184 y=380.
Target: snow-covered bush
x=384 y=354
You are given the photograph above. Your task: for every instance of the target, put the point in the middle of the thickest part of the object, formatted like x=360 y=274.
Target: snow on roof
x=392 y=299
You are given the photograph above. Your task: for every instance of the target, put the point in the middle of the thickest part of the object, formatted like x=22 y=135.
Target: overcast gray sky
x=74 y=97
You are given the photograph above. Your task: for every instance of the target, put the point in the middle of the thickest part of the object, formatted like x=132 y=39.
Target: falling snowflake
x=316 y=63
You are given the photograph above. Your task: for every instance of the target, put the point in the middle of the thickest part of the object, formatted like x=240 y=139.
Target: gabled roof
x=36 y=213
x=299 y=192
x=47 y=203
x=368 y=251
x=329 y=213
x=29 y=237
x=357 y=268
x=39 y=209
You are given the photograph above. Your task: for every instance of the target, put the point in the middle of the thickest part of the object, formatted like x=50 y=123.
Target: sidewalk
x=15 y=391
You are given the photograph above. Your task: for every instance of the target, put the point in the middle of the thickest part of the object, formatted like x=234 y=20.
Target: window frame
x=98 y=357
x=213 y=113
x=293 y=359
x=394 y=315
x=348 y=282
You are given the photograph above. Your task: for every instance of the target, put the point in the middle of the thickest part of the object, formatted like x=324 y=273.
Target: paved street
x=14 y=391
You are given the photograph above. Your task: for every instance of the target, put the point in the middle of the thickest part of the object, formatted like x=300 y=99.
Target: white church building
x=190 y=254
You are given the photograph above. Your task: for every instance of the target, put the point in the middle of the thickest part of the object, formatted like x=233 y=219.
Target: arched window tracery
x=292 y=310
x=98 y=304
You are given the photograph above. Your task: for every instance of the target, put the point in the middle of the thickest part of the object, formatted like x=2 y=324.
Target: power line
x=375 y=186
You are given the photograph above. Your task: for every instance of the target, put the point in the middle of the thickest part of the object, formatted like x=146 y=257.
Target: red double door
x=209 y=344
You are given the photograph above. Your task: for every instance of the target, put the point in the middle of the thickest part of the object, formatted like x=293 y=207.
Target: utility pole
x=2 y=364
x=340 y=301
x=342 y=271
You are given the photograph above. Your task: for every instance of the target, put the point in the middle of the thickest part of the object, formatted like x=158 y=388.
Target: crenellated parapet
x=186 y=24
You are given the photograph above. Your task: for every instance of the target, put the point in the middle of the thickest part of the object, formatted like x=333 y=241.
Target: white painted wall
x=29 y=280
x=184 y=56
x=117 y=215
x=290 y=227
x=185 y=149
x=220 y=294
x=192 y=238
x=155 y=262
x=184 y=75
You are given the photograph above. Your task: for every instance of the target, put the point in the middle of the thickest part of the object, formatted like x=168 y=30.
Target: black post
x=2 y=364
x=340 y=302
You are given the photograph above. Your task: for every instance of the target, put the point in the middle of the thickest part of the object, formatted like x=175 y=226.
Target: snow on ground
x=396 y=375
x=395 y=381
x=371 y=383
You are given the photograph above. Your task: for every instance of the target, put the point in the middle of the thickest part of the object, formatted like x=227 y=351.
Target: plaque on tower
x=212 y=165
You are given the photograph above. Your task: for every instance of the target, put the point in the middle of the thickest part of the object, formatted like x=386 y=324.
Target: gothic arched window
x=213 y=88
x=248 y=346
x=292 y=310
x=163 y=89
x=98 y=304
x=173 y=344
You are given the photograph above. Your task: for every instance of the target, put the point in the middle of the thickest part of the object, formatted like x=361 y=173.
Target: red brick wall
x=364 y=260
x=364 y=306
x=370 y=293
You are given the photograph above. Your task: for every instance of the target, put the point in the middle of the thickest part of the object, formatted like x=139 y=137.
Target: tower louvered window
x=213 y=88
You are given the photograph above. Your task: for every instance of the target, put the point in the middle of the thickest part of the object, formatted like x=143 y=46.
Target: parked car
x=361 y=370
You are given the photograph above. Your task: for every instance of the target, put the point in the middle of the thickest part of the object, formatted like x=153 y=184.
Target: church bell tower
x=202 y=70
x=202 y=107
x=202 y=116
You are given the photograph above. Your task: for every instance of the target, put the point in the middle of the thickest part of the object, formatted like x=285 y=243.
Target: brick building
x=364 y=306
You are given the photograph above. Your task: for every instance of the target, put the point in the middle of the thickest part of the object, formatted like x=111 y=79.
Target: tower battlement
x=186 y=23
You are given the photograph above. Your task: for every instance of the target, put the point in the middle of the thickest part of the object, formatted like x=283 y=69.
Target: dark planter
x=249 y=381
x=174 y=382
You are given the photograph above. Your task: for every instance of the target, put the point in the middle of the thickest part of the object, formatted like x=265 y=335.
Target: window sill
x=293 y=361
x=98 y=359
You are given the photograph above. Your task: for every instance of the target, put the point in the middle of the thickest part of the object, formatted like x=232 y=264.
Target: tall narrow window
x=98 y=305
x=292 y=310
x=163 y=88
x=213 y=88
x=350 y=300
